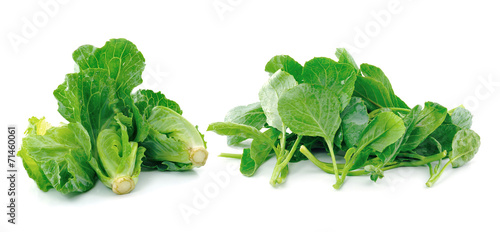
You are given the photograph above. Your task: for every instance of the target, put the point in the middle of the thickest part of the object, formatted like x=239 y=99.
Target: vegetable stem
x=231 y=155
x=281 y=164
x=334 y=162
x=432 y=180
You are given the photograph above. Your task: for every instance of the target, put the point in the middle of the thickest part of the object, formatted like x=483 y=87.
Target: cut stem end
x=198 y=156
x=123 y=185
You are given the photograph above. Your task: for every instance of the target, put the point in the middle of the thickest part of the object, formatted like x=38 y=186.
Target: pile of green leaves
x=350 y=112
x=112 y=132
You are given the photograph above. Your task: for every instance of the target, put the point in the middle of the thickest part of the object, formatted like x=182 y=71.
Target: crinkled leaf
x=59 y=158
x=461 y=117
x=146 y=100
x=88 y=97
x=124 y=64
x=465 y=145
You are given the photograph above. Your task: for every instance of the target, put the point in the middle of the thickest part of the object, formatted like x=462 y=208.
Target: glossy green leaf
x=382 y=131
x=391 y=151
x=429 y=120
x=311 y=111
x=340 y=78
x=284 y=63
x=377 y=74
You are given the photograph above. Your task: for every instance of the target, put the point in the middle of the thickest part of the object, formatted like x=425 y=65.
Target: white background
x=210 y=61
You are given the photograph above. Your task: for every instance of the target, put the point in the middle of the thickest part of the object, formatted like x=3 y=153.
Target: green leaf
x=259 y=151
x=166 y=165
x=58 y=157
x=382 y=131
x=284 y=63
x=89 y=98
x=377 y=74
x=124 y=64
x=146 y=100
x=372 y=92
x=340 y=78
x=120 y=57
x=461 y=117
x=229 y=128
x=391 y=151
x=465 y=145
x=251 y=115
x=269 y=94
x=311 y=111
x=354 y=120
x=345 y=58
x=429 y=120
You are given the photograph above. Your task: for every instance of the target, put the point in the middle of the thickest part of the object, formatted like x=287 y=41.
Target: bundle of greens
x=348 y=111
x=112 y=132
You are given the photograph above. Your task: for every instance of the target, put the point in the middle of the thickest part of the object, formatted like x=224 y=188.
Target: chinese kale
x=112 y=132
x=349 y=112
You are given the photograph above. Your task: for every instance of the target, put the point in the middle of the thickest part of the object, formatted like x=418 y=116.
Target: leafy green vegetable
x=346 y=110
x=109 y=127
x=312 y=111
x=57 y=157
x=173 y=138
x=120 y=159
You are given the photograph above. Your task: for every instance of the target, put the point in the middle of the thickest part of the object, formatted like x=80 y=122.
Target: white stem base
x=122 y=185
x=198 y=156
